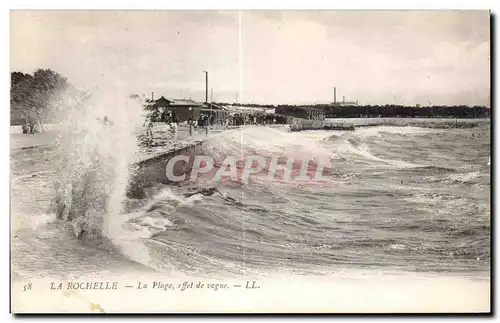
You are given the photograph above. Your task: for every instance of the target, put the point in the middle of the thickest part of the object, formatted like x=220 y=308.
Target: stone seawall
x=298 y=124
x=152 y=169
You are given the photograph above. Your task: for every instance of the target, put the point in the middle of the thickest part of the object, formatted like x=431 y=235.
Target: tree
x=32 y=95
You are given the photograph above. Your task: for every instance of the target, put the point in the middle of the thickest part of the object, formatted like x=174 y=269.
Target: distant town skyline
x=264 y=57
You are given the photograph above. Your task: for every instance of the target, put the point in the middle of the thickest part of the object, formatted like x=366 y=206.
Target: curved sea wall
x=299 y=124
x=152 y=170
x=423 y=123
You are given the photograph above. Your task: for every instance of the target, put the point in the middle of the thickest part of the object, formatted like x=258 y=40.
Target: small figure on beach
x=149 y=127
x=205 y=123
x=107 y=122
x=173 y=129
x=168 y=117
x=27 y=127
x=190 y=125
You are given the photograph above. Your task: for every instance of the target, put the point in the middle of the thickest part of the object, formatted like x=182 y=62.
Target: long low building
x=185 y=109
x=303 y=112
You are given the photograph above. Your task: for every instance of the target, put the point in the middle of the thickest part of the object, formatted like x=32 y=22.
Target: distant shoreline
x=18 y=125
x=368 y=121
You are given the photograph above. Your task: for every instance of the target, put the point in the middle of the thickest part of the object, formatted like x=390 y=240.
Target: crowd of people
x=30 y=126
x=207 y=120
x=240 y=119
x=204 y=120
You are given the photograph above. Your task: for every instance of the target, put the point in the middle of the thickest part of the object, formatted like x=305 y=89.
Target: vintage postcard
x=250 y=161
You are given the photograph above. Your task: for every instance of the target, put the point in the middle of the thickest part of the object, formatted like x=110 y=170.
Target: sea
x=397 y=198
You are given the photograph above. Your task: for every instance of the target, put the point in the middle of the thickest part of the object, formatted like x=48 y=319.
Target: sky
x=265 y=57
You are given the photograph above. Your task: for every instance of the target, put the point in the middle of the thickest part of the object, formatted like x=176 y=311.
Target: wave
x=267 y=141
x=290 y=150
x=91 y=193
x=95 y=169
x=24 y=177
x=436 y=169
x=383 y=131
x=174 y=228
x=206 y=225
x=462 y=177
x=358 y=151
x=449 y=176
x=423 y=123
x=443 y=204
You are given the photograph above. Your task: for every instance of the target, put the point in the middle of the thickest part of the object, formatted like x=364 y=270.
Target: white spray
x=98 y=143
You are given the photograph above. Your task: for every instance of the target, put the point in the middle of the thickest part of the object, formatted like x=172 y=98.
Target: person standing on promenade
x=149 y=127
x=173 y=127
x=190 y=125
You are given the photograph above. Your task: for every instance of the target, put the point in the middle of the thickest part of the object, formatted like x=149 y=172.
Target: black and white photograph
x=250 y=161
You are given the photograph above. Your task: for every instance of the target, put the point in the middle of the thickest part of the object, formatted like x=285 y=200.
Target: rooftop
x=162 y=101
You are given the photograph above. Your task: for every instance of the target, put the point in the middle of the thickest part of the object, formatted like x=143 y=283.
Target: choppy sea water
x=412 y=199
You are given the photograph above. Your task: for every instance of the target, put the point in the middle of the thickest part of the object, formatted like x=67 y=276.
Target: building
x=304 y=112
x=344 y=103
x=185 y=109
x=219 y=113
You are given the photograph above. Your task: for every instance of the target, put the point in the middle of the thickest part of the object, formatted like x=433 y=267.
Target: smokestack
x=152 y=96
x=334 y=95
x=206 y=86
x=343 y=99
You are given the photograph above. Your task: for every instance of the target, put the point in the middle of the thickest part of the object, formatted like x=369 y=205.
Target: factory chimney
x=334 y=95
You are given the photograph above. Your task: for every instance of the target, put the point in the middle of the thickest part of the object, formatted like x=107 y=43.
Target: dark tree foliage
x=31 y=96
x=383 y=111
x=398 y=111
